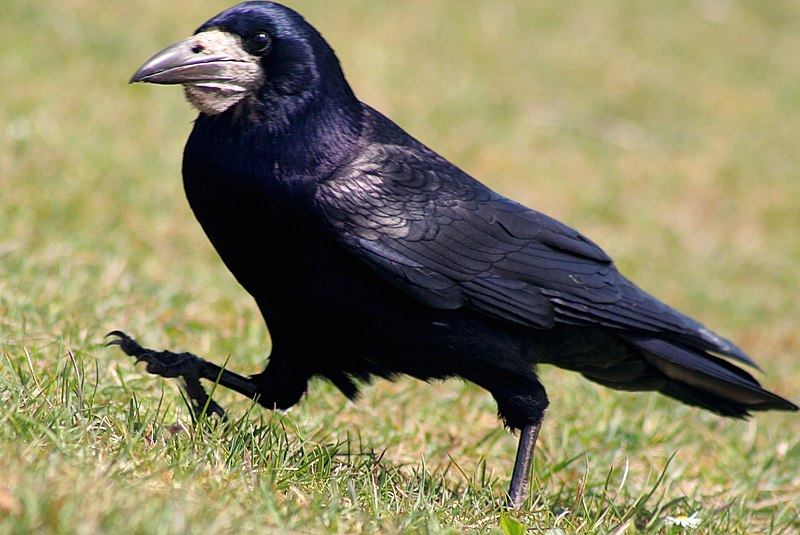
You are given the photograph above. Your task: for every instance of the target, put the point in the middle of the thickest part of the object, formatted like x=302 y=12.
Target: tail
x=699 y=378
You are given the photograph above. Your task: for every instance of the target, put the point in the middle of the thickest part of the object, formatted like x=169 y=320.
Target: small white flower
x=683 y=521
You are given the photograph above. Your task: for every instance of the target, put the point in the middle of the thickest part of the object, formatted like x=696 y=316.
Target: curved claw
x=117 y=333
x=122 y=337
x=128 y=345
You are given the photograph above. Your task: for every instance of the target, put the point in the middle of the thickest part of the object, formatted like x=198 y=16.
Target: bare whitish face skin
x=239 y=74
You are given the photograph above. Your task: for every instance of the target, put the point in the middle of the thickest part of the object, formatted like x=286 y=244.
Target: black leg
x=522 y=466
x=188 y=367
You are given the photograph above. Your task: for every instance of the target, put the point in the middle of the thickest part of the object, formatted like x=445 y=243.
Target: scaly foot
x=190 y=368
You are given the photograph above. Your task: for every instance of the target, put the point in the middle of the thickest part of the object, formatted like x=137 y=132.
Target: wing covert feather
x=449 y=241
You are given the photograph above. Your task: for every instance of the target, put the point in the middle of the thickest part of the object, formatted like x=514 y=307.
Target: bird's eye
x=258 y=43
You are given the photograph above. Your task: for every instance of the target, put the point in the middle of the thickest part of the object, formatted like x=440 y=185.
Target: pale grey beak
x=186 y=63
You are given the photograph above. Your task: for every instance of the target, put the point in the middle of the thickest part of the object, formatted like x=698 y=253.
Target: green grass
x=667 y=132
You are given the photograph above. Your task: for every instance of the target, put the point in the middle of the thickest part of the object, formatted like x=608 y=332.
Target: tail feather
x=699 y=378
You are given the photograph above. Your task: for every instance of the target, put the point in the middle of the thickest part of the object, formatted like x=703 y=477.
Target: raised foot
x=186 y=366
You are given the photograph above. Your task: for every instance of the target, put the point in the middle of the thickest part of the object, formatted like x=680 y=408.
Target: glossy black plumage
x=369 y=254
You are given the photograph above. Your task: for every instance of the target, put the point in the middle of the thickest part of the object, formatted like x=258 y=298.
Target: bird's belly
x=312 y=292
x=375 y=324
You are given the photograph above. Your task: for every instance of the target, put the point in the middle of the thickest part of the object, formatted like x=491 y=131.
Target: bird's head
x=261 y=56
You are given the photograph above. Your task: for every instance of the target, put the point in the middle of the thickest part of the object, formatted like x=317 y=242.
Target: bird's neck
x=229 y=161
x=276 y=146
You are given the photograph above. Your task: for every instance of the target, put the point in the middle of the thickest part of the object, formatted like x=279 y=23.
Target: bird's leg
x=522 y=466
x=190 y=368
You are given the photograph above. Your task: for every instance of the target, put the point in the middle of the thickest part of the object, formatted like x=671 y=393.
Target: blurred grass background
x=666 y=132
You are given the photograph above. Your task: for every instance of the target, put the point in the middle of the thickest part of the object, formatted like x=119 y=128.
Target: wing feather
x=446 y=239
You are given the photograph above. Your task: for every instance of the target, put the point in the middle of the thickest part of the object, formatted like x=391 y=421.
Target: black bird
x=371 y=255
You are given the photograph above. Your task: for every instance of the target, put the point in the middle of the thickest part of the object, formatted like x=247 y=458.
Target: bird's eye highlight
x=258 y=43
